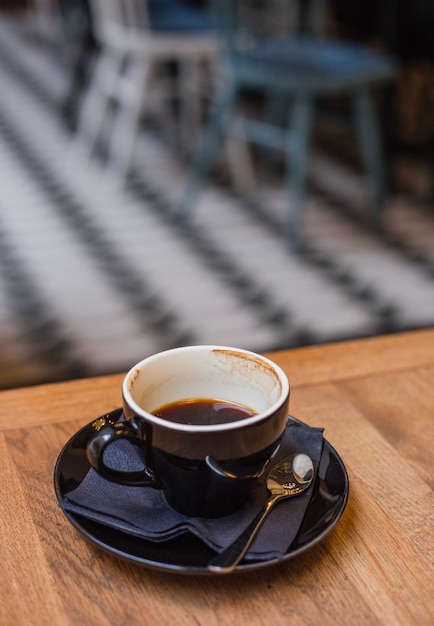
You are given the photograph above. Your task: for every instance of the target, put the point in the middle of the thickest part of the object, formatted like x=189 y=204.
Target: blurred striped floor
x=94 y=277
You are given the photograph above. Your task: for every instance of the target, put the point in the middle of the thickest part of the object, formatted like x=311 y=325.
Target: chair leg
x=297 y=151
x=207 y=151
x=369 y=137
x=79 y=82
x=189 y=102
x=130 y=98
x=96 y=102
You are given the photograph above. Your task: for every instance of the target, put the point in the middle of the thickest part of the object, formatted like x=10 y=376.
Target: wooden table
x=375 y=398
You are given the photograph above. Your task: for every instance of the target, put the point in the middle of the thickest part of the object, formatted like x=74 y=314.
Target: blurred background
x=103 y=111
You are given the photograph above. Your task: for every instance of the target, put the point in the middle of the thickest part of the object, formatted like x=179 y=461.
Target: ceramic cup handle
x=132 y=430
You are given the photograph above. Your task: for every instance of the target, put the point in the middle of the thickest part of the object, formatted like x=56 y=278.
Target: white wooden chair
x=131 y=49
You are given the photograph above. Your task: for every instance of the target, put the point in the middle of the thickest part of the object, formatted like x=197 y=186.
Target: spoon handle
x=226 y=561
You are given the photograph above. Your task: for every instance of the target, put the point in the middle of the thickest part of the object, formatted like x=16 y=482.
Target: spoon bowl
x=288 y=478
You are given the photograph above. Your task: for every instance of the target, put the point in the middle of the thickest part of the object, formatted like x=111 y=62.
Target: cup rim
x=206 y=428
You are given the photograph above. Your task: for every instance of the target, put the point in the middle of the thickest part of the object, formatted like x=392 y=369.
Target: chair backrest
x=241 y=23
x=113 y=16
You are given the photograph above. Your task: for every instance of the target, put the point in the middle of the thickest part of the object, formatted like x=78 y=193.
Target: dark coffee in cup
x=203 y=412
x=208 y=419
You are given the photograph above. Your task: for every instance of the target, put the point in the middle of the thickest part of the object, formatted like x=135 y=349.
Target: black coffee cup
x=208 y=463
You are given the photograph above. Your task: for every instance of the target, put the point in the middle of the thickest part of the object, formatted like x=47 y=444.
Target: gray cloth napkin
x=144 y=512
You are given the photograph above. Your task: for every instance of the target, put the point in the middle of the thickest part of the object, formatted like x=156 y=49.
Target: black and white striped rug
x=94 y=277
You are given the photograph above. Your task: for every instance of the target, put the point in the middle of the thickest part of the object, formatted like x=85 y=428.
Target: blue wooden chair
x=264 y=49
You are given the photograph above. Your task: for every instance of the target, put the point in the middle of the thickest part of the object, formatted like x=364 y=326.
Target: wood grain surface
x=375 y=399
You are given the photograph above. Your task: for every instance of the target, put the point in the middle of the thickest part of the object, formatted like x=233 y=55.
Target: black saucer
x=188 y=554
